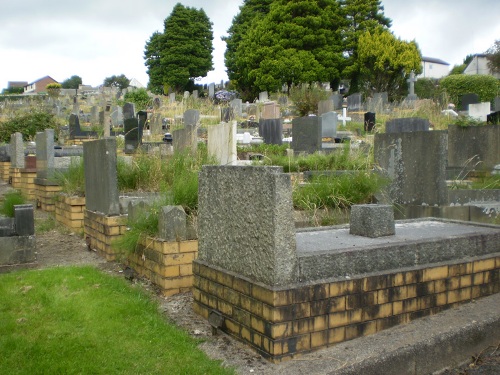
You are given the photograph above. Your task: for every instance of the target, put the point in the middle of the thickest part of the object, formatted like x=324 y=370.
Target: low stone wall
x=101 y=231
x=70 y=211
x=15 y=177
x=45 y=195
x=283 y=322
x=5 y=170
x=166 y=264
x=27 y=183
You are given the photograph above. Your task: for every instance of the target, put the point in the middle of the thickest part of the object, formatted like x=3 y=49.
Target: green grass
x=72 y=180
x=78 y=320
x=490 y=182
x=11 y=199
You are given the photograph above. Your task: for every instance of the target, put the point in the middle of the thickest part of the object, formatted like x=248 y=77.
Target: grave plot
x=286 y=292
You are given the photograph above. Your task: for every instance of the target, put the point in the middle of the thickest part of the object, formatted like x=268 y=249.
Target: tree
x=296 y=42
x=250 y=12
x=120 y=81
x=140 y=97
x=386 y=62
x=361 y=16
x=53 y=89
x=493 y=56
x=183 y=52
x=72 y=83
x=459 y=69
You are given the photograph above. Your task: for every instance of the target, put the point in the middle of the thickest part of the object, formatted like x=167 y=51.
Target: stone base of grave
x=15 y=177
x=26 y=183
x=101 y=231
x=282 y=323
x=45 y=194
x=77 y=141
x=166 y=264
x=5 y=170
x=70 y=211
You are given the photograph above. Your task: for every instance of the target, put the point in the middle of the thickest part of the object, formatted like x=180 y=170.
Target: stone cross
x=344 y=116
x=412 y=81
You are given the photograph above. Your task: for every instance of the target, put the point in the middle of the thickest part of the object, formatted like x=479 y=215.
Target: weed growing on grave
x=72 y=180
x=46 y=224
x=67 y=320
x=11 y=199
x=489 y=182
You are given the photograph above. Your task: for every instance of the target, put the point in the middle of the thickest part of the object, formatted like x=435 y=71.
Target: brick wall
x=45 y=196
x=101 y=231
x=70 y=211
x=282 y=323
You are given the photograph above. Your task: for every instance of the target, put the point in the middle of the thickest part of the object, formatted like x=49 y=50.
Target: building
x=434 y=68
x=40 y=85
x=479 y=65
x=14 y=84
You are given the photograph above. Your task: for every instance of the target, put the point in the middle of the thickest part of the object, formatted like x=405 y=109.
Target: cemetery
x=293 y=231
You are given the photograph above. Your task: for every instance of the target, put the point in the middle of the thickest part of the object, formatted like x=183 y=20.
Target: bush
x=426 y=88
x=486 y=87
x=139 y=97
x=10 y=200
x=306 y=98
x=28 y=124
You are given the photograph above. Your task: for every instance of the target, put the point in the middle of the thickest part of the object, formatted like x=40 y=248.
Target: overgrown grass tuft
x=11 y=199
x=72 y=180
x=77 y=320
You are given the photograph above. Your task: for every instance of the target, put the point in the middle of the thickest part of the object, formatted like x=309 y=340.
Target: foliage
x=53 y=89
x=72 y=83
x=120 y=81
x=69 y=320
x=489 y=182
x=296 y=42
x=426 y=88
x=386 y=62
x=28 y=124
x=306 y=98
x=72 y=180
x=459 y=69
x=183 y=52
x=13 y=90
x=486 y=87
x=361 y=16
x=493 y=56
x=140 y=97
x=11 y=199
x=337 y=191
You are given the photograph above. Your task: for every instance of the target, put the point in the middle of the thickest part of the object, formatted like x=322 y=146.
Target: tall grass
x=11 y=199
x=72 y=180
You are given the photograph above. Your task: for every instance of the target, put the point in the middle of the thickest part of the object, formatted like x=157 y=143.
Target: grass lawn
x=78 y=320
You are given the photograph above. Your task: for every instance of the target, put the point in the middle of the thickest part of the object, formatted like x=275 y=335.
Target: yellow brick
x=441 y=299
x=435 y=273
x=188 y=246
x=465 y=281
x=280 y=330
x=245 y=334
x=453 y=283
x=181 y=282
x=319 y=339
x=186 y=269
x=257 y=324
x=336 y=335
x=170 y=271
x=320 y=323
x=169 y=247
x=343 y=318
x=177 y=259
x=483 y=265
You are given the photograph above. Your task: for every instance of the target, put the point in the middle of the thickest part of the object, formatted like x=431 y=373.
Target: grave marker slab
x=306 y=134
x=467 y=99
x=354 y=102
x=329 y=125
x=271 y=130
x=479 y=111
x=45 y=154
x=17 y=159
x=408 y=124
x=325 y=106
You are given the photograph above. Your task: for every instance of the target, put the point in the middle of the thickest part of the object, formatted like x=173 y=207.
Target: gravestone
x=270 y=110
x=24 y=220
x=411 y=87
x=496 y=104
x=467 y=99
x=325 y=106
x=128 y=110
x=245 y=222
x=263 y=96
x=415 y=163
x=101 y=185
x=221 y=142
x=185 y=139
x=186 y=94
x=372 y=220
x=191 y=117
x=172 y=223
x=116 y=116
x=252 y=110
x=94 y=115
x=226 y=114
x=479 y=111
x=337 y=100
x=329 y=125
x=156 y=103
x=408 y=124
x=370 y=121
x=354 y=102
x=5 y=152
x=195 y=94
x=493 y=118
x=211 y=90
x=306 y=134
x=75 y=131
x=271 y=130
x=142 y=116
x=171 y=98
x=131 y=130
x=379 y=101
x=45 y=154
x=236 y=105
x=17 y=159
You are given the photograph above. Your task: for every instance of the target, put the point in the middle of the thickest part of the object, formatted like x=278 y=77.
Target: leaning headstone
x=354 y=102
x=45 y=154
x=17 y=159
x=479 y=111
x=325 y=106
x=263 y=96
x=248 y=231
x=369 y=121
x=372 y=220
x=337 y=101
x=329 y=125
x=467 y=99
x=172 y=223
x=101 y=184
x=221 y=142
x=415 y=163
x=408 y=124
x=271 y=130
x=306 y=134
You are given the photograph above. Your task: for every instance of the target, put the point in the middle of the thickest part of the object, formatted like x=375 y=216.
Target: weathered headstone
x=248 y=231
x=128 y=110
x=172 y=223
x=370 y=120
x=467 y=99
x=329 y=125
x=211 y=90
x=479 y=111
x=45 y=154
x=185 y=139
x=171 y=98
x=226 y=114
x=306 y=134
x=270 y=110
x=94 y=115
x=236 y=105
x=408 y=124
x=221 y=142
x=24 y=220
x=378 y=102
x=17 y=159
x=263 y=96
x=325 y=106
x=354 y=102
x=195 y=94
x=337 y=100
x=186 y=94
x=411 y=87
x=142 y=116
x=271 y=130
x=191 y=117
x=101 y=184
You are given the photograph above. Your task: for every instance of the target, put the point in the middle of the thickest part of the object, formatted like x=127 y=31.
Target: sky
x=95 y=39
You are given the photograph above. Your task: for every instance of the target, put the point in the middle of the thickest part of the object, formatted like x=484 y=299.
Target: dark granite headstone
x=467 y=99
x=493 y=118
x=271 y=130
x=142 y=116
x=131 y=128
x=306 y=134
x=24 y=220
x=370 y=120
x=5 y=153
x=496 y=104
x=75 y=131
x=405 y=125
x=337 y=101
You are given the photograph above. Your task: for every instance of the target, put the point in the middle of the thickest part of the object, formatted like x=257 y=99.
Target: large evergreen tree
x=183 y=52
x=361 y=16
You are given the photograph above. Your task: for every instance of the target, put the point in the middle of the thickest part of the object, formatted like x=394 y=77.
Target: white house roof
x=136 y=83
x=433 y=60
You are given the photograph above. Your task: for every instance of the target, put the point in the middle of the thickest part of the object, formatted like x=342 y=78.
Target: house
x=434 y=68
x=135 y=83
x=15 y=84
x=479 y=65
x=40 y=85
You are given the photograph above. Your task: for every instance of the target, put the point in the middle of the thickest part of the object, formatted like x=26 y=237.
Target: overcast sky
x=95 y=39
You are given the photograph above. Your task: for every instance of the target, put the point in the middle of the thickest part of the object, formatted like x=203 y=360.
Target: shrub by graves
x=486 y=87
